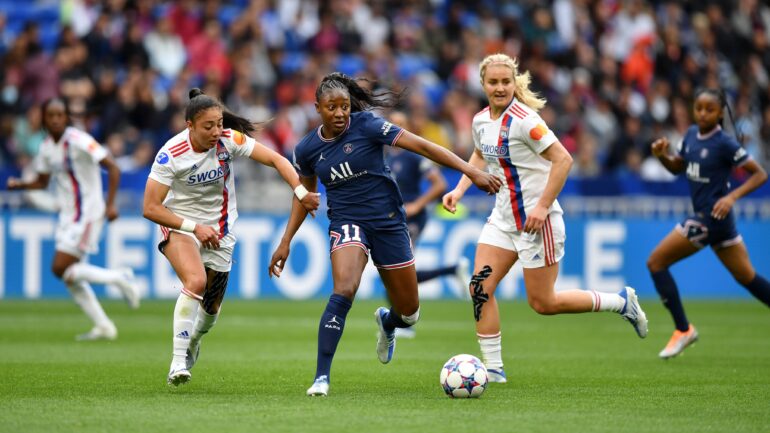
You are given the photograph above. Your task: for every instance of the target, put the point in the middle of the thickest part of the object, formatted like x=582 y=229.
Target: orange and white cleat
x=678 y=342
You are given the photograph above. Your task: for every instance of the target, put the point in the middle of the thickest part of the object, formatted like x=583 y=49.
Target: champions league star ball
x=464 y=376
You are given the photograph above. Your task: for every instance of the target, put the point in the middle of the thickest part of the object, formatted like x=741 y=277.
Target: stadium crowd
x=616 y=73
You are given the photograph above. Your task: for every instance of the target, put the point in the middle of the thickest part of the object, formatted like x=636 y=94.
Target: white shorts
x=535 y=251
x=79 y=238
x=220 y=259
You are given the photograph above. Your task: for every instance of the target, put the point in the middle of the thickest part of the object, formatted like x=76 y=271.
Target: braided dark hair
x=55 y=100
x=361 y=99
x=199 y=101
x=722 y=98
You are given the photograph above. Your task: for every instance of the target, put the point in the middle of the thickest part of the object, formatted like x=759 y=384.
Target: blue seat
x=350 y=64
x=292 y=61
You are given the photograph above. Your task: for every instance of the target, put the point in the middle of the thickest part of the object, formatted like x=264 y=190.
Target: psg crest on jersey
x=704 y=153
x=347 y=148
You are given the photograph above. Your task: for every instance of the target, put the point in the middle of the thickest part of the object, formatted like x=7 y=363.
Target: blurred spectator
x=166 y=51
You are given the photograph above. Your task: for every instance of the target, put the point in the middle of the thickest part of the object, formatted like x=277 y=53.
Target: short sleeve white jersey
x=511 y=146
x=202 y=183
x=73 y=163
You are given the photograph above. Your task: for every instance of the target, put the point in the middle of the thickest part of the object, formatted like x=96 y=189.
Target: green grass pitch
x=587 y=373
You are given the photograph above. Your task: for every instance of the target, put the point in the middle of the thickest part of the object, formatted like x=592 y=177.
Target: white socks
x=93 y=274
x=184 y=314
x=606 y=301
x=85 y=298
x=203 y=323
x=491 y=350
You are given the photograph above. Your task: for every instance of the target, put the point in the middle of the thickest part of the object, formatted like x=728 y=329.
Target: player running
x=526 y=223
x=190 y=193
x=409 y=169
x=366 y=211
x=707 y=155
x=75 y=159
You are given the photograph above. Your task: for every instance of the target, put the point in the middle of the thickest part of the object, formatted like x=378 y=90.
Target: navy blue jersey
x=351 y=166
x=710 y=160
x=408 y=168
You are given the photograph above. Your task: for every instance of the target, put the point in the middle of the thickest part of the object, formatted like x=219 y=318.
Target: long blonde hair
x=521 y=81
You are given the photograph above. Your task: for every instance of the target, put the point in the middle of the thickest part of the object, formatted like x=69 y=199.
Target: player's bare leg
x=491 y=265
x=545 y=300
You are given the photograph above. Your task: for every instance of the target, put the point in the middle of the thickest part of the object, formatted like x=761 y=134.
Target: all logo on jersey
x=347 y=148
x=162 y=158
x=343 y=173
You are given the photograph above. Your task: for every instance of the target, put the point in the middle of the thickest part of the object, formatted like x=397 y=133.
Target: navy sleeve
x=384 y=132
x=734 y=153
x=300 y=161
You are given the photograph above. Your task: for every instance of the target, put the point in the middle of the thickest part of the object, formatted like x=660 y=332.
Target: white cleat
x=633 y=312
x=386 y=341
x=462 y=273
x=320 y=387
x=496 y=375
x=678 y=342
x=101 y=332
x=128 y=287
x=179 y=376
x=192 y=353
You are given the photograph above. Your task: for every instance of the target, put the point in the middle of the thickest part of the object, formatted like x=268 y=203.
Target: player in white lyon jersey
x=74 y=160
x=191 y=194
x=526 y=223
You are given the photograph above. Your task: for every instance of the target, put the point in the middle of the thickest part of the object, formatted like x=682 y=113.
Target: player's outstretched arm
x=674 y=164
x=758 y=177
x=485 y=181
x=153 y=209
x=453 y=197
x=113 y=181
x=561 y=162
x=264 y=155
x=296 y=218
x=40 y=182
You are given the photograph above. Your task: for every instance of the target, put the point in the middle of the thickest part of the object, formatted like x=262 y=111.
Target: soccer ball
x=464 y=376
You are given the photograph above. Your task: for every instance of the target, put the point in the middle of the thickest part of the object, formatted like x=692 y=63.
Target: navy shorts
x=702 y=230
x=389 y=248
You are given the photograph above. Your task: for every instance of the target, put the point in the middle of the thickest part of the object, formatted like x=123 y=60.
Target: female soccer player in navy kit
x=365 y=211
x=526 y=223
x=190 y=194
x=74 y=159
x=707 y=155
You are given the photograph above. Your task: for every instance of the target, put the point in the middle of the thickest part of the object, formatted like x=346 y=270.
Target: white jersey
x=511 y=146
x=202 y=184
x=73 y=162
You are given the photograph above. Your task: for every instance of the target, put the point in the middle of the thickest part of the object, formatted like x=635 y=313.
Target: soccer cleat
x=192 y=353
x=462 y=273
x=129 y=288
x=320 y=387
x=408 y=333
x=386 y=341
x=100 y=332
x=678 y=342
x=632 y=311
x=495 y=375
x=179 y=376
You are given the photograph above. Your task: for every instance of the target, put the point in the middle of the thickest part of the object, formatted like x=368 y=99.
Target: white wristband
x=300 y=191
x=187 y=226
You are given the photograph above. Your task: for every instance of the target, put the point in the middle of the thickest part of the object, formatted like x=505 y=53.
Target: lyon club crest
x=504 y=132
x=347 y=148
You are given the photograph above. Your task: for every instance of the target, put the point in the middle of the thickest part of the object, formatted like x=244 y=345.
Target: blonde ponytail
x=521 y=81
